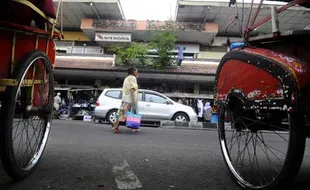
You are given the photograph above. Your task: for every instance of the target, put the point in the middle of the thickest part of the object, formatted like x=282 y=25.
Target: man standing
x=70 y=99
x=57 y=101
x=129 y=98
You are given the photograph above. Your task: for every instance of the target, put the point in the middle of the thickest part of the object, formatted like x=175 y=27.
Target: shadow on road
x=44 y=175
x=302 y=180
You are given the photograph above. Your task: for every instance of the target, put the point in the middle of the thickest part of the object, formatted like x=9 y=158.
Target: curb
x=188 y=125
x=203 y=129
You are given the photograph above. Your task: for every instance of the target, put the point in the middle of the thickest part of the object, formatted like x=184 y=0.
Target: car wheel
x=180 y=117
x=111 y=116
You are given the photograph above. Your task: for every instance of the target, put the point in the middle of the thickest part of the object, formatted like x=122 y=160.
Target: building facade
x=90 y=27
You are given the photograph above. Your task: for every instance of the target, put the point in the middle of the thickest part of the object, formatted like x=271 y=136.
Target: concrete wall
x=210 y=55
x=75 y=36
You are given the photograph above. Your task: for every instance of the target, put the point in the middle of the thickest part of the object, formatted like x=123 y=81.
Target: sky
x=149 y=9
x=161 y=9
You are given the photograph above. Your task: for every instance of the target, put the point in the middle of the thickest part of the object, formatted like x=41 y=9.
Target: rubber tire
x=181 y=114
x=8 y=114
x=108 y=115
x=293 y=160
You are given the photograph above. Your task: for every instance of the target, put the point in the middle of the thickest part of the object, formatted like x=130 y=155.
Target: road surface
x=82 y=156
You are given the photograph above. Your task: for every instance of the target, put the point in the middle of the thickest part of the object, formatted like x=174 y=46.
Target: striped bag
x=133 y=120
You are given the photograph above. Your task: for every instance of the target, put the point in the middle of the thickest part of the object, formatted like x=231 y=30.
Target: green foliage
x=135 y=53
x=163 y=42
x=128 y=53
x=141 y=52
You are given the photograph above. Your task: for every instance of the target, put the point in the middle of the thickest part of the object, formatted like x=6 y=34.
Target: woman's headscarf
x=207 y=105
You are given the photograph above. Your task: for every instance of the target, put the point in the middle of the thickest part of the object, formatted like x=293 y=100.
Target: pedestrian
x=129 y=98
x=57 y=101
x=180 y=101
x=63 y=103
x=71 y=102
x=200 y=110
x=207 y=112
x=184 y=101
x=194 y=104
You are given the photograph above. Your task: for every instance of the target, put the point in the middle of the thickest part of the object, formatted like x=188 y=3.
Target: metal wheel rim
x=112 y=117
x=42 y=139
x=233 y=168
x=180 y=118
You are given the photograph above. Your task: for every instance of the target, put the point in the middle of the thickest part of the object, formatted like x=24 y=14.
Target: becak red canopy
x=21 y=14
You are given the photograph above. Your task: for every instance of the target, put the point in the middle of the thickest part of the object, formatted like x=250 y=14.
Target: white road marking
x=124 y=177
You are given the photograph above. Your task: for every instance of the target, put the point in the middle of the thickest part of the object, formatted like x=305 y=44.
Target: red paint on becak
x=255 y=83
x=300 y=69
x=258 y=84
x=25 y=43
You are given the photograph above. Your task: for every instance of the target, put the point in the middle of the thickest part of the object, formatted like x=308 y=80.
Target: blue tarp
x=236 y=45
x=214 y=118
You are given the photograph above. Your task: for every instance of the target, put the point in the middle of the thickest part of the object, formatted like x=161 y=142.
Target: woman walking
x=129 y=98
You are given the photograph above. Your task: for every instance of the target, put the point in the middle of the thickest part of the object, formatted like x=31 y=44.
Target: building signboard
x=113 y=37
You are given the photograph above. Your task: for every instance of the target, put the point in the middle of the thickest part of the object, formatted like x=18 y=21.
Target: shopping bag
x=133 y=120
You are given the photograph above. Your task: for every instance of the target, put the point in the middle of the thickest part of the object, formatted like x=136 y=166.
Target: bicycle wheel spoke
x=257 y=164
x=32 y=114
x=246 y=144
x=263 y=123
x=31 y=140
x=256 y=145
x=235 y=136
x=16 y=131
x=39 y=138
x=264 y=149
x=20 y=141
x=248 y=150
x=269 y=148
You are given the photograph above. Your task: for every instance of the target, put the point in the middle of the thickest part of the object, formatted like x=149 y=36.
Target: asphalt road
x=86 y=156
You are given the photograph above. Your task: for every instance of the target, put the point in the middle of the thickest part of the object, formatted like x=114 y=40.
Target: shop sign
x=113 y=37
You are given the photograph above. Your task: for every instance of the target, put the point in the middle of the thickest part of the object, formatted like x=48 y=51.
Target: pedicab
x=27 y=55
x=262 y=90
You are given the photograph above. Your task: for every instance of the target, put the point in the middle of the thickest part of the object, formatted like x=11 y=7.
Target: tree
x=164 y=42
x=119 y=50
x=138 y=51
x=132 y=52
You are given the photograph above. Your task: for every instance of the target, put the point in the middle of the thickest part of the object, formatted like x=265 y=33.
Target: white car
x=152 y=105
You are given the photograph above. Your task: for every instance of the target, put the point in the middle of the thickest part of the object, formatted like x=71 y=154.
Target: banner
x=113 y=37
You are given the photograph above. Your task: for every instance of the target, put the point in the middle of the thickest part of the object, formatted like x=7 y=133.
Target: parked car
x=152 y=105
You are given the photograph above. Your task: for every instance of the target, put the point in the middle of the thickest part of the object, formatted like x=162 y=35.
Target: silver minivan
x=152 y=105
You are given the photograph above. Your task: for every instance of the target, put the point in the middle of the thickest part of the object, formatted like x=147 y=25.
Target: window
x=154 y=98
x=140 y=94
x=113 y=94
